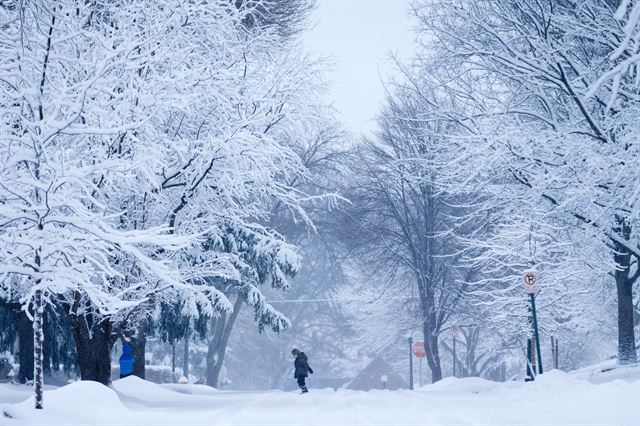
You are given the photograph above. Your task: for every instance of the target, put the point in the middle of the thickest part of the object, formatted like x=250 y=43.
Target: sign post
x=419 y=352
x=554 y=352
x=530 y=279
x=454 y=330
x=410 y=339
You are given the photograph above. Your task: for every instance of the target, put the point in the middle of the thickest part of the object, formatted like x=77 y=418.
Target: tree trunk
x=626 y=337
x=94 y=339
x=624 y=286
x=24 y=328
x=432 y=350
x=38 y=341
x=47 y=349
x=185 y=357
x=139 y=348
x=94 y=353
x=215 y=354
x=429 y=327
x=138 y=344
x=221 y=328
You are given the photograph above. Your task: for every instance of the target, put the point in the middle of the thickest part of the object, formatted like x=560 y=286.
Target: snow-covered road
x=554 y=399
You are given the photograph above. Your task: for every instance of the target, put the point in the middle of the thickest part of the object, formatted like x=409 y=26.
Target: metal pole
x=455 y=357
x=410 y=363
x=554 y=352
x=535 y=331
x=531 y=372
x=173 y=360
x=420 y=368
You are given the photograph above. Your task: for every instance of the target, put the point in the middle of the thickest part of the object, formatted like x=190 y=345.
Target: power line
x=339 y=300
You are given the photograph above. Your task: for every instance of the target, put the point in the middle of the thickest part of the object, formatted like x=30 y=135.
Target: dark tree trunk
x=626 y=338
x=38 y=343
x=94 y=338
x=47 y=352
x=94 y=353
x=432 y=350
x=624 y=286
x=24 y=328
x=429 y=327
x=138 y=344
x=221 y=330
x=427 y=278
x=430 y=320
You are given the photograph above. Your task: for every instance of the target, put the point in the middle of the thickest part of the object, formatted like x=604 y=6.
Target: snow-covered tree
x=71 y=115
x=539 y=115
x=134 y=134
x=406 y=219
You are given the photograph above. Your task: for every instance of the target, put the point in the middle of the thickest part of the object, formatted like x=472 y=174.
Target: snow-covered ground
x=555 y=398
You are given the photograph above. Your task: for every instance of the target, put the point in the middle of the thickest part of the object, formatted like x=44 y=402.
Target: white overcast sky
x=358 y=35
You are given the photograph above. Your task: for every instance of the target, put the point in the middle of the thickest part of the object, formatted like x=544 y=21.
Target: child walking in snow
x=302 y=369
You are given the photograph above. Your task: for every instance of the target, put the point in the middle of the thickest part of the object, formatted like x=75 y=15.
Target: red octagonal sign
x=418 y=349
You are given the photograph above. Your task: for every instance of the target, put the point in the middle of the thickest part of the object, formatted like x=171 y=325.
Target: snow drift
x=555 y=398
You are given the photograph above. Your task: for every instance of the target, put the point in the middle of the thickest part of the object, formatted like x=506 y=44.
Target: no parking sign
x=530 y=279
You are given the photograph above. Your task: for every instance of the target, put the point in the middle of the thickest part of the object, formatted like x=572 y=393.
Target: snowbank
x=468 y=384
x=135 y=389
x=136 y=393
x=191 y=389
x=608 y=371
x=555 y=398
x=78 y=403
x=13 y=393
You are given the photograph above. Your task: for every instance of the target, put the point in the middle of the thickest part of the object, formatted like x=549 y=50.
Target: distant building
x=374 y=375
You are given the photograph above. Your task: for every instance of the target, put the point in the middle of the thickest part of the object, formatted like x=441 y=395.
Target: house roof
x=372 y=375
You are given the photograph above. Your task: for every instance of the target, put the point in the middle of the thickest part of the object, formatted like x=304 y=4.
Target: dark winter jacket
x=302 y=366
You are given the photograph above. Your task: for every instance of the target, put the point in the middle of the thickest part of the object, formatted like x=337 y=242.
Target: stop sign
x=418 y=349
